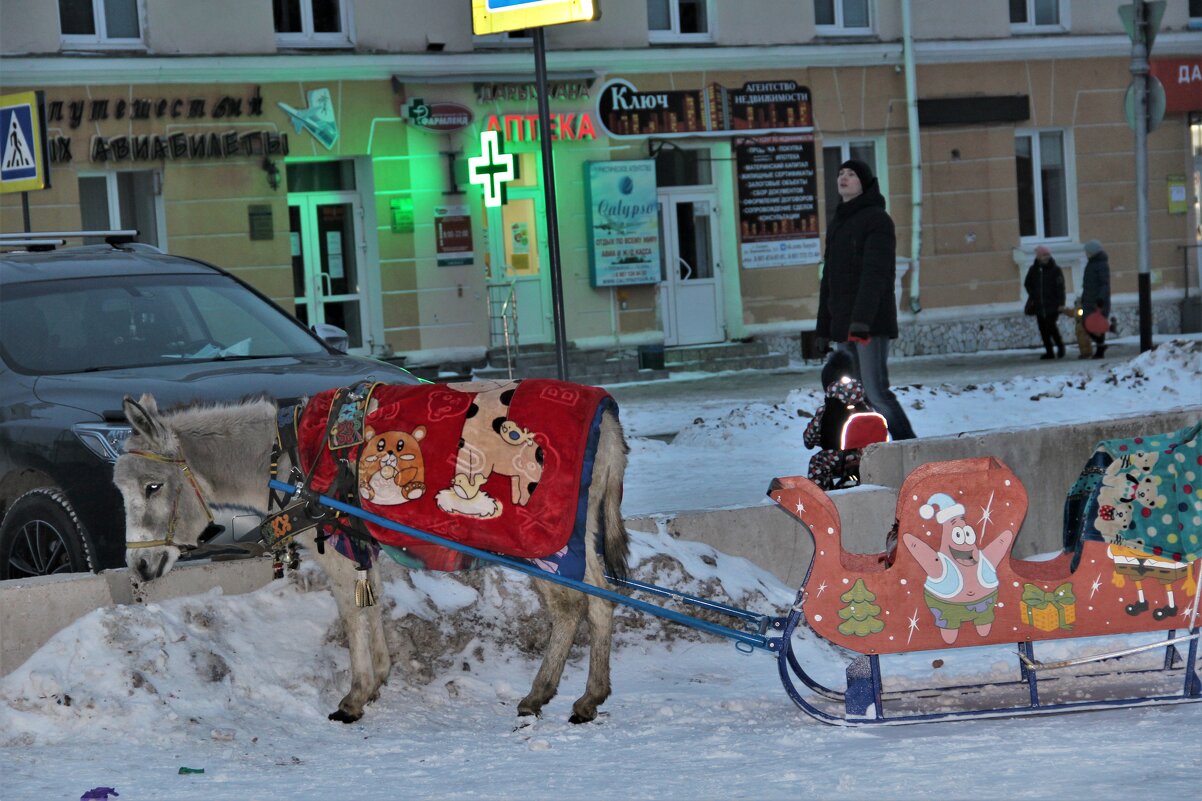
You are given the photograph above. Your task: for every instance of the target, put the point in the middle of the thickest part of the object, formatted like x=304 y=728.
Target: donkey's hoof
x=343 y=716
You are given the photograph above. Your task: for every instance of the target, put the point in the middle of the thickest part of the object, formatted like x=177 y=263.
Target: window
x=1195 y=14
x=842 y=17
x=312 y=23
x=1028 y=14
x=519 y=38
x=681 y=166
x=121 y=200
x=100 y=22
x=1041 y=160
x=835 y=153
x=679 y=21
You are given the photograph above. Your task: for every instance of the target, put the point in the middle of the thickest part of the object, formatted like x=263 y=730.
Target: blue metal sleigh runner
x=1129 y=570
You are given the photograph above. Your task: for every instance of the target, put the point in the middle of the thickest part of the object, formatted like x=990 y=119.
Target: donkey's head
x=166 y=512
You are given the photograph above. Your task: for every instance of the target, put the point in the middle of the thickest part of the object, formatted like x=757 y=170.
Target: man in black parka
x=857 y=306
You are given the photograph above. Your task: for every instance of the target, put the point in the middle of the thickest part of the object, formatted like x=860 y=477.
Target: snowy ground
x=240 y=686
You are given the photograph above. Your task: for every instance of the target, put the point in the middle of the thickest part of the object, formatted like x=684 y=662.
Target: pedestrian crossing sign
x=23 y=162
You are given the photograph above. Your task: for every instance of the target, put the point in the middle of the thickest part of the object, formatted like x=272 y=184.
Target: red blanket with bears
x=494 y=465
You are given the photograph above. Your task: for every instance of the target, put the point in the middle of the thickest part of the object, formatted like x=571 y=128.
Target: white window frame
x=1030 y=26
x=839 y=28
x=307 y=37
x=101 y=38
x=114 y=201
x=1070 y=186
x=673 y=35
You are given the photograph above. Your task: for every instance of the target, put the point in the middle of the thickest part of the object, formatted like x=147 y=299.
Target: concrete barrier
x=1046 y=459
x=33 y=610
x=769 y=537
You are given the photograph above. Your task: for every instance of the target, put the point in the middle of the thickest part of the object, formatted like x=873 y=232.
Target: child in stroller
x=842 y=427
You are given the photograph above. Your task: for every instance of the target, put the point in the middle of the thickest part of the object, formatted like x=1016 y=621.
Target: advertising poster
x=778 y=201
x=453 y=236
x=623 y=222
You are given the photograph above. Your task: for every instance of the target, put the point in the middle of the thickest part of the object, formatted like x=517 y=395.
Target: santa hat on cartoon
x=942 y=507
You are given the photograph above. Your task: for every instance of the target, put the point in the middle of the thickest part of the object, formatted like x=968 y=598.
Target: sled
x=953 y=583
x=950 y=582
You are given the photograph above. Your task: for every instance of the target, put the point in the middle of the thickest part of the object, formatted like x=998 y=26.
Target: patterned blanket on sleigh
x=500 y=466
x=1143 y=497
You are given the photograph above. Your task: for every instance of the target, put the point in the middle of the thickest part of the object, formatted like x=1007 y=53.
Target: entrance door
x=691 y=291
x=326 y=269
x=517 y=263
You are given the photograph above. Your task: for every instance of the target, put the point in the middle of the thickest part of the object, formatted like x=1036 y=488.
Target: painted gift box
x=1048 y=611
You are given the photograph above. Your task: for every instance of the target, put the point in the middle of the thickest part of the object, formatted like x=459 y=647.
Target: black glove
x=821 y=346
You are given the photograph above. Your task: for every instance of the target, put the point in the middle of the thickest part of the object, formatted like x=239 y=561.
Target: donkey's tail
x=611 y=454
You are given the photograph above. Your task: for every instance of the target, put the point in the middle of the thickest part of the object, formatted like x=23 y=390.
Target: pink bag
x=1096 y=323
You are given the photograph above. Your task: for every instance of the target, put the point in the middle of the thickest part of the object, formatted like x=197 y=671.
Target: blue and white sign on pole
x=499 y=16
x=23 y=163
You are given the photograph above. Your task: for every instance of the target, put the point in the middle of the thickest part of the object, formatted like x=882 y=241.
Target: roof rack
x=48 y=240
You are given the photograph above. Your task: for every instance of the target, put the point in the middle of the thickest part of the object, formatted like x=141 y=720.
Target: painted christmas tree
x=859 y=616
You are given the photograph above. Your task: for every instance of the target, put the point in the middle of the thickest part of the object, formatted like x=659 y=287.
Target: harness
x=211 y=530
x=279 y=528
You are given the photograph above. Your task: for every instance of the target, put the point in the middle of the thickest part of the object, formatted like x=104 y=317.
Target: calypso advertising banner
x=623 y=222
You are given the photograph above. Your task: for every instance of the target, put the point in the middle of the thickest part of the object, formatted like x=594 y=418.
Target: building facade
x=319 y=149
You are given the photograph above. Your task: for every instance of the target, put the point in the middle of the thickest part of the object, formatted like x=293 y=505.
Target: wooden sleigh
x=951 y=582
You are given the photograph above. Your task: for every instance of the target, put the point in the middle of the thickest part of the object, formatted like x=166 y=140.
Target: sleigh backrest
x=1143 y=493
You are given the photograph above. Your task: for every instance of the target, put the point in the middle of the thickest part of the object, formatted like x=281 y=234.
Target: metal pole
x=25 y=211
x=1139 y=71
x=544 y=138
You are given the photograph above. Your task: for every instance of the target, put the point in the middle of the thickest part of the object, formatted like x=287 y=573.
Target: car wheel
x=40 y=535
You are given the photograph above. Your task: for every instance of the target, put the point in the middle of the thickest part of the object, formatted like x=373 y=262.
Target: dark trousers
x=872 y=367
x=1050 y=333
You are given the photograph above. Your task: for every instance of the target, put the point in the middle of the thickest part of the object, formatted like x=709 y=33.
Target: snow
x=240 y=685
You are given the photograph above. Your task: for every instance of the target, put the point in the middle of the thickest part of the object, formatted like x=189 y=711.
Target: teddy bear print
x=391 y=468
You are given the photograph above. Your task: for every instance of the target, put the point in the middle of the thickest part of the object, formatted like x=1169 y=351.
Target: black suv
x=82 y=327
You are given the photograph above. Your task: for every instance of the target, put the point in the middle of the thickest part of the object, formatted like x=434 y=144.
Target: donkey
x=184 y=468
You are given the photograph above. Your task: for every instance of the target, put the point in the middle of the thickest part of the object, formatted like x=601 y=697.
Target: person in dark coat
x=1095 y=291
x=857 y=306
x=1045 y=291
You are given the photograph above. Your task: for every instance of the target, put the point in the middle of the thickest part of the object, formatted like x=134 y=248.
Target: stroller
x=843 y=427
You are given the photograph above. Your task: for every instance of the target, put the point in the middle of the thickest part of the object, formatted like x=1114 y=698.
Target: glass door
x=691 y=289
x=515 y=233
x=325 y=262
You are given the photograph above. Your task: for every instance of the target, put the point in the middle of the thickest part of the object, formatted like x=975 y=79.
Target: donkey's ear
x=143 y=415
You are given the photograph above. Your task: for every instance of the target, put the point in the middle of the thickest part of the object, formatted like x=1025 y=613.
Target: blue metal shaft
x=759 y=620
x=754 y=640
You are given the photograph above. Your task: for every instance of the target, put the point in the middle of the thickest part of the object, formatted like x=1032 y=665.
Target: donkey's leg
x=380 y=658
x=605 y=524
x=600 y=628
x=360 y=625
x=565 y=607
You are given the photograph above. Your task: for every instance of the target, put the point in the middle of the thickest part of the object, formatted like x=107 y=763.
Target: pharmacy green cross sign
x=492 y=169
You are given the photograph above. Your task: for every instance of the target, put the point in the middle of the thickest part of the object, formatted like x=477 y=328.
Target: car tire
x=41 y=535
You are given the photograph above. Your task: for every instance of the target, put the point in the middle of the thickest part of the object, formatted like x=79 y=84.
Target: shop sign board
x=440 y=116
x=625 y=112
x=623 y=220
x=24 y=163
x=453 y=236
x=778 y=201
x=499 y=16
x=525 y=127
x=1182 y=79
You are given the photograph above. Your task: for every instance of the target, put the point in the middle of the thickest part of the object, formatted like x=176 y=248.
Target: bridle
x=211 y=530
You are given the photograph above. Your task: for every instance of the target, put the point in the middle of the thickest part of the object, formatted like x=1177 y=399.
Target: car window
x=134 y=321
